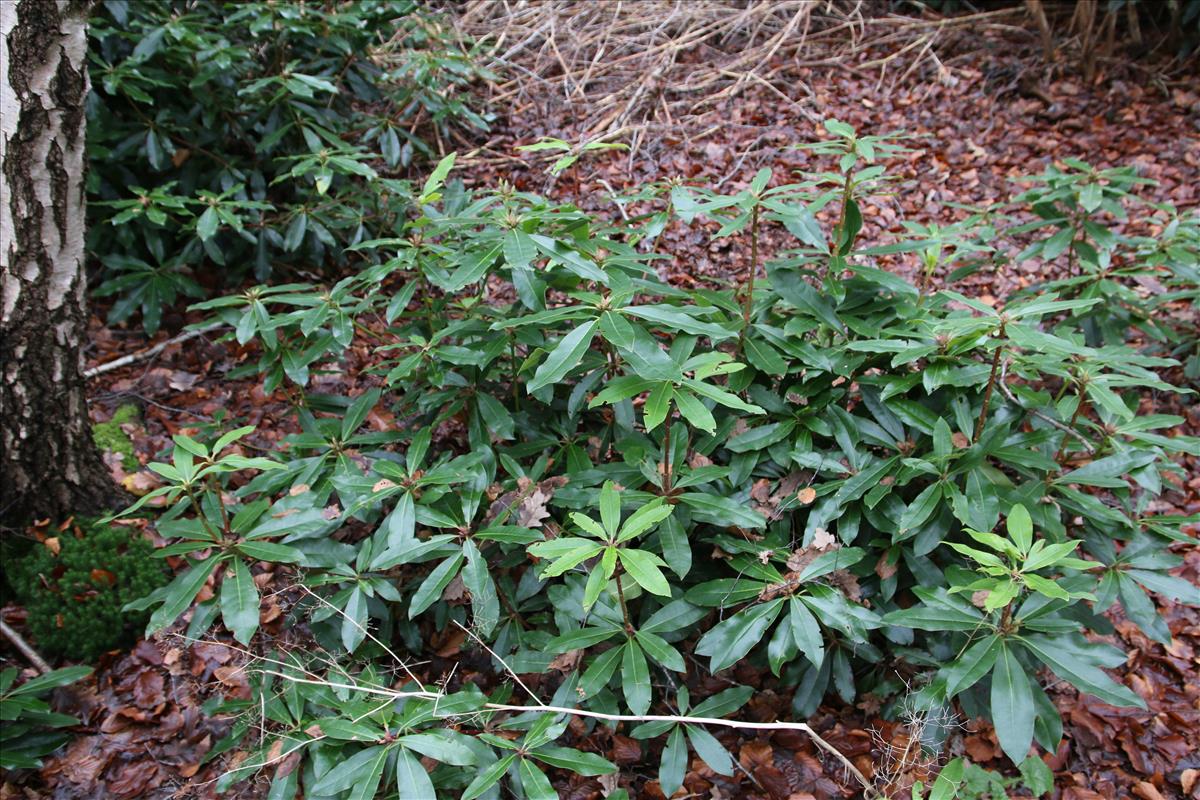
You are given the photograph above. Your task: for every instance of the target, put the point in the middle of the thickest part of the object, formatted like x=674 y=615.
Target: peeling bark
x=49 y=466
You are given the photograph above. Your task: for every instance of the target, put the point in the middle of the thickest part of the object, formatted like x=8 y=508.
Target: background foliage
x=857 y=483
x=832 y=472
x=229 y=140
x=31 y=729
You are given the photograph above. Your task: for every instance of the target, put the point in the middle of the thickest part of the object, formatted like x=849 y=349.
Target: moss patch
x=109 y=437
x=75 y=592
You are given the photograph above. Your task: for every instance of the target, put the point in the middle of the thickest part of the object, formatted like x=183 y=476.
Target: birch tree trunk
x=49 y=466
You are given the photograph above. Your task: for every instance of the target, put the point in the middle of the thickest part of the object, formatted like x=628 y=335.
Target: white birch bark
x=49 y=465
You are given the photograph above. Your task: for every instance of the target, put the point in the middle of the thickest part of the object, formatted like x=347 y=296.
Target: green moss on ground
x=109 y=437
x=75 y=598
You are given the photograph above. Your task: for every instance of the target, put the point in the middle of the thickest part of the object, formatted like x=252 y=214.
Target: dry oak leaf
x=530 y=502
x=82 y=762
x=269 y=612
x=1189 y=779
x=1147 y=791
x=233 y=677
x=140 y=483
x=565 y=662
x=136 y=779
x=847 y=581
x=755 y=754
x=798 y=561
x=979 y=748
x=532 y=511
x=609 y=783
x=626 y=750
x=455 y=590
x=148 y=688
x=822 y=540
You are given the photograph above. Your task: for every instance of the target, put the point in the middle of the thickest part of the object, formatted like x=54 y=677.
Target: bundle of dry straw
x=626 y=63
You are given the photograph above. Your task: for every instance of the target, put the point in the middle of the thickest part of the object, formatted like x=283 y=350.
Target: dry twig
x=868 y=789
x=543 y=708
x=150 y=352
x=1091 y=449
x=24 y=647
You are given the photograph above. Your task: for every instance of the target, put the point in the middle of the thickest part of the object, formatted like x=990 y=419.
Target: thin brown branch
x=1034 y=412
x=24 y=647
x=150 y=352
x=543 y=708
x=683 y=719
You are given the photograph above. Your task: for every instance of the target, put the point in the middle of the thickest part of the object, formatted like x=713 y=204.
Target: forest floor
x=145 y=733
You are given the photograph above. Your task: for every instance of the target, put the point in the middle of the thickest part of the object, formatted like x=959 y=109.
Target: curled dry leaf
x=626 y=750
x=566 y=662
x=140 y=483
x=527 y=505
x=847 y=581
x=455 y=591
